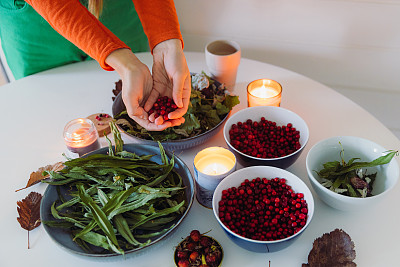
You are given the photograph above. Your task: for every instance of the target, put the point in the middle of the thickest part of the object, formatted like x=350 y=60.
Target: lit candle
x=211 y=165
x=264 y=92
x=81 y=136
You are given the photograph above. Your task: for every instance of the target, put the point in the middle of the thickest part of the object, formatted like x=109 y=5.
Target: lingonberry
x=263 y=209
x=163 y=106
x=264 y=139
x=195 y=235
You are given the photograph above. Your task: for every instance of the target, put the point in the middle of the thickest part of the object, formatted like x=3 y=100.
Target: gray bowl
x=172 y=145
x=63 y=237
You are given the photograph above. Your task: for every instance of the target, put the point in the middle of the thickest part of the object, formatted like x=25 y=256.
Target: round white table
x=35 y=110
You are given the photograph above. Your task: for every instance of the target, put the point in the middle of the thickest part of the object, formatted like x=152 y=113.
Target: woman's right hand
x=137 y=84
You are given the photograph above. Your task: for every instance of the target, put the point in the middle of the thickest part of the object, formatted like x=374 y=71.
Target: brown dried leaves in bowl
x=334 y=249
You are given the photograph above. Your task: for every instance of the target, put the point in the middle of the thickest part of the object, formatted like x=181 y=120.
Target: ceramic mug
x=223 y=59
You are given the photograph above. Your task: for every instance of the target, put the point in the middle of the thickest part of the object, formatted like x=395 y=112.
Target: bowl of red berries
x=266 y=135
x=198 y=250
x=263 y=208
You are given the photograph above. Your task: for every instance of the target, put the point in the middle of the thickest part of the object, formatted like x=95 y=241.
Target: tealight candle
x=81 y=136
x=264 y=92
x=211 y=165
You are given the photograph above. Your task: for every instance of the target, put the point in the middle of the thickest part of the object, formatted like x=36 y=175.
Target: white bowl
x=354 y=147
x=236 y=178
x=279 y=115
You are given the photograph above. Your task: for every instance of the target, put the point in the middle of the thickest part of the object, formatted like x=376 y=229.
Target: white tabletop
x=35 y=110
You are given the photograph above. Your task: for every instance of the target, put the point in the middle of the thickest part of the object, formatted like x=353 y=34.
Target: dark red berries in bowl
x=263 y=208
x=266 y=135
x=198 y=250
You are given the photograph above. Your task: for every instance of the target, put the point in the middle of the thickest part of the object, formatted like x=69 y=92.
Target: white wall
x=352 y=46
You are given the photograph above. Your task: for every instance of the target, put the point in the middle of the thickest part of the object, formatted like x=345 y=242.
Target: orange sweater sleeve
x=73 y=21
x=159 y=20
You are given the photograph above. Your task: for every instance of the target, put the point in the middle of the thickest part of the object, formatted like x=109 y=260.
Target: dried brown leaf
x=29 y=212
x=118 y=89
x=334 y=249
x=38 y=176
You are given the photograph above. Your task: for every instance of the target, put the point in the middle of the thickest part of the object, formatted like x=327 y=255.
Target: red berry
x=183 y=263
x=193 y=256
x=163 y=106
x=195 y=235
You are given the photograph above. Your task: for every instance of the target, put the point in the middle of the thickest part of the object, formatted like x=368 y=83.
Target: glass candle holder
x=211 y=165
x=81 y=136
x=264 y=92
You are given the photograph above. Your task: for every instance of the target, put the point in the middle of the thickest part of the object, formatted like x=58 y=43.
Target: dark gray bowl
x=63 y=237
x=172 y=145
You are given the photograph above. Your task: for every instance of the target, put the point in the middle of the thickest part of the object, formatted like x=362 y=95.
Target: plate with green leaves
x=117 y=200
x=210 y=106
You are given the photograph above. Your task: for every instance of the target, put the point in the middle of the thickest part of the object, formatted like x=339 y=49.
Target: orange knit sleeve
x=73 y=21
x=159 y=20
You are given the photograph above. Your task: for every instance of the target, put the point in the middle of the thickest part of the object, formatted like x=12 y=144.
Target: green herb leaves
x=118 y=201
x=349 y=178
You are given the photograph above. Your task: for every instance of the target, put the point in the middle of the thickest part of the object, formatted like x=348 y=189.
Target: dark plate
x=181 y=144
x=62 y=236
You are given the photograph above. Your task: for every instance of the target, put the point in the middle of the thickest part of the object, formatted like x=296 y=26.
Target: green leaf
x=98 y=215
x=231 y=101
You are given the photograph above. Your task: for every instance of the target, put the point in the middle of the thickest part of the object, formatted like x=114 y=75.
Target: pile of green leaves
x=207 y=108
x=118 y=201
x=346 y=177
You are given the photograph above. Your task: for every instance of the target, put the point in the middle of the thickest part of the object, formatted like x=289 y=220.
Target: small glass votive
x=81 y=136
x=264 y=92
x=211 y=166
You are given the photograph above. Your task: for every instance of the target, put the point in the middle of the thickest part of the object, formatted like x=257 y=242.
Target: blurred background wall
x=352 y=46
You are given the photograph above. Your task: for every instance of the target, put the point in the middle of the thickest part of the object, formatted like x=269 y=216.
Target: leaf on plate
x=334 y=249
x=38 y=176
x=29 y=212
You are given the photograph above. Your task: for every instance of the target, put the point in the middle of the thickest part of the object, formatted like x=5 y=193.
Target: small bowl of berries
x=198 y=250
x=266 y=135
x=263 y=208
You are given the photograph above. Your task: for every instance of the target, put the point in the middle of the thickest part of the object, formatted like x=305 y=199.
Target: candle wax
x=215 y=169
x=264 y=92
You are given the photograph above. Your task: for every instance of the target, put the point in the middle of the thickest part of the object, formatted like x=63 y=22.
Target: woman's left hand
x=171 y=77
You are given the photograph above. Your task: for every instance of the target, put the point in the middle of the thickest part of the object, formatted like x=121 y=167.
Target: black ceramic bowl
x=63 y=236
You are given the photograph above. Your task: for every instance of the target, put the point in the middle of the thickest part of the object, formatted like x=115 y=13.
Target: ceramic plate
x=181 y=144
x=63 y=237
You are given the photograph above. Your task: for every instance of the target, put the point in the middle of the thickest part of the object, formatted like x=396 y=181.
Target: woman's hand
x=137 y=84
x=171 y=77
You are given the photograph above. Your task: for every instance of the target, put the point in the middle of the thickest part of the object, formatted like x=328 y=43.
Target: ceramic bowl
x=354 y=147
x=172 y=145
x=63 y=237
x=269 y=172
x=279 y=115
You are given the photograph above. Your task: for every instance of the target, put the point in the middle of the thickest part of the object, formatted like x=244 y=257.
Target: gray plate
x=63 y=237
x=172 y=145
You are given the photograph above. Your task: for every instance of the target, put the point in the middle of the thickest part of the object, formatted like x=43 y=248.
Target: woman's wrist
x=122 y=60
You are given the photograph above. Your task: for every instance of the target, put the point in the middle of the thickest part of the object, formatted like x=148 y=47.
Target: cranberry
x=263 y=209
x=195 y=235
x=183 y=263
x=163 y=106
x=264 y=139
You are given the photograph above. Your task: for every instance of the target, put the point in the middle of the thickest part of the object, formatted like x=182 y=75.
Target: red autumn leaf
x=335 y=249
x=29 y=212
x=38 y=176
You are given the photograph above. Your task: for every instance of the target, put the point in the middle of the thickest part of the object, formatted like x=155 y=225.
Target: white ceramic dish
x=279 y=115
x=236 y=178
x=354 y=147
